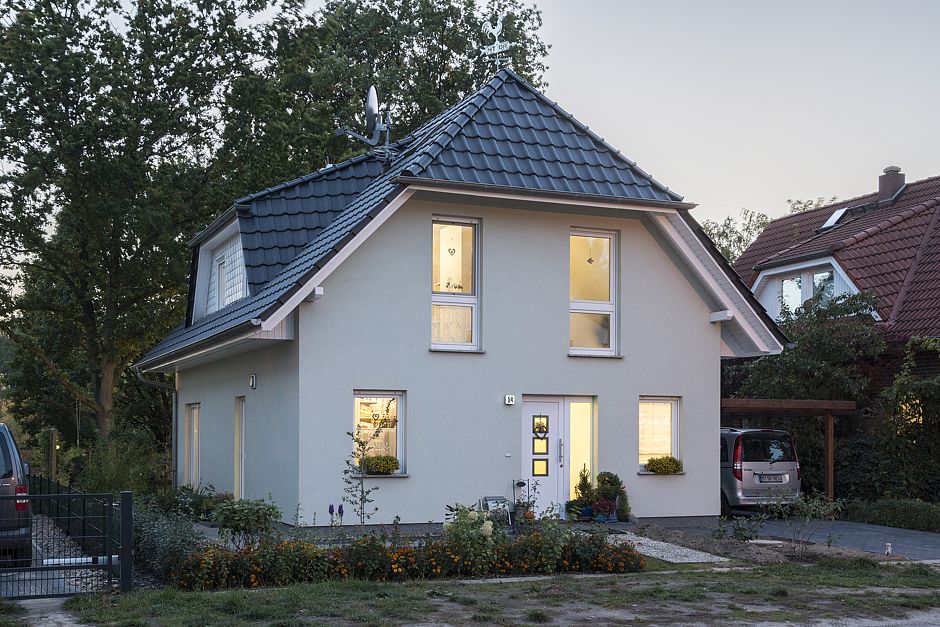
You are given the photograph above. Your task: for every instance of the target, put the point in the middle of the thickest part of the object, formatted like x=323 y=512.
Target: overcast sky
x=748 y=103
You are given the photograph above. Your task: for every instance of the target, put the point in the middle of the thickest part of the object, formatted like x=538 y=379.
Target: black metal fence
x=57 y=541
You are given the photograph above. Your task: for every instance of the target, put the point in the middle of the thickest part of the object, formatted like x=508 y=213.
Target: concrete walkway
x=915 y=545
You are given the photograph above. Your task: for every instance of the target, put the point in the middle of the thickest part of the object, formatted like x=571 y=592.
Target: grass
x=9 y=613
x=794 y=592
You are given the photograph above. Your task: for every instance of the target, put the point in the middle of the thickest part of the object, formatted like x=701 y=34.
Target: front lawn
x=795 y=592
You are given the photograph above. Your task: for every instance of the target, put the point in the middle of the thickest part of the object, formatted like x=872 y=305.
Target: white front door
x=557 y=443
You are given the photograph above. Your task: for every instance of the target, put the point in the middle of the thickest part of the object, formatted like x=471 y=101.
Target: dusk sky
x=746 y=104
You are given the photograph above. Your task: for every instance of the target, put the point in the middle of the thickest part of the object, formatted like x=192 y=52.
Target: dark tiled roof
x=506 y=133
x=891 y=251
x=284 y=219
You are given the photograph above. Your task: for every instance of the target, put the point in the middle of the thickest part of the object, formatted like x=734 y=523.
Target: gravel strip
x=663 y=550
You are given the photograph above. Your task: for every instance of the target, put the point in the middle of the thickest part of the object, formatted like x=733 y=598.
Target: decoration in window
x=591 y=292
x=454 y=299
x=377 y=421
x=540 y=426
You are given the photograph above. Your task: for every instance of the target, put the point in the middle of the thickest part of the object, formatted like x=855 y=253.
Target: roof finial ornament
x=494 y=51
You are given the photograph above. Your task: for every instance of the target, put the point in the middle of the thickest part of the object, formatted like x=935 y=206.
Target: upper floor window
x=455 y=311
x=226 y=274
x=823 y=285
x=791 y=292
x=592 y=292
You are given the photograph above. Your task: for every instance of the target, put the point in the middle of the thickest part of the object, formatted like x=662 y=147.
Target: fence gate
x=56 y=541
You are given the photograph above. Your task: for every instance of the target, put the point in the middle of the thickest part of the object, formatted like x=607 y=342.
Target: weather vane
x=496 y=51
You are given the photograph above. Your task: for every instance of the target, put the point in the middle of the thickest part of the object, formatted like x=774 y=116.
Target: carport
x=740 y=408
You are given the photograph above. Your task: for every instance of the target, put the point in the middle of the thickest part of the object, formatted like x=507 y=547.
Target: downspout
x=173 y=430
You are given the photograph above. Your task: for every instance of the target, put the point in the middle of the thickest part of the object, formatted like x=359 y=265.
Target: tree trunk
x=105 y=397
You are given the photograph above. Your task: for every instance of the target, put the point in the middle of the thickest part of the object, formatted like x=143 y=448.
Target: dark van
x=16 y=520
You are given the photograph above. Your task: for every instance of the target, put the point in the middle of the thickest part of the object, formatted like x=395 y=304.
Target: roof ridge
x=335 y=167
x=594 y=136
x=901 y=216
x=909 y=277
x=421 y=160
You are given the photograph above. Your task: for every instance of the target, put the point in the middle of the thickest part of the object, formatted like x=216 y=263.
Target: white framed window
x=238 y=482
x=455 y=278
x=824 y=285
x=658 y=428
x=227 y=280
x=791 y=292
x=592 y=273
x=378 y=418
x=191 y=445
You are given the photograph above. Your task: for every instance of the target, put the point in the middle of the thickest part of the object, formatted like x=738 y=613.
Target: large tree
x=125 y=126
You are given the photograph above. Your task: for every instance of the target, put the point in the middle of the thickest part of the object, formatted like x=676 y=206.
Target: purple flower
x=331 y=509
x=340 y=510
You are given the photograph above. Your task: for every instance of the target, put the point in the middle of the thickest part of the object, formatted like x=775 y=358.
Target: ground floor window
x=191 y=445
x=659 y=428
x=378 y=422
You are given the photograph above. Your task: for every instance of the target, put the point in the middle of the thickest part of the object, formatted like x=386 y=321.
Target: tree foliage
x=835 y=344
x=124 y=127
x=732 y=237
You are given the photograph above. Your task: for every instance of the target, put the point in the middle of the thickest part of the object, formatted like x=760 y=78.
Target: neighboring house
x=503 y=269
x=886 y=243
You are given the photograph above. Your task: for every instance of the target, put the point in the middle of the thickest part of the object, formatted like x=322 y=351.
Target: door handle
x=561 y=452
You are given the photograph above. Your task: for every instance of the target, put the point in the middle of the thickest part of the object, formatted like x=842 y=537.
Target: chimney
x=890 y=183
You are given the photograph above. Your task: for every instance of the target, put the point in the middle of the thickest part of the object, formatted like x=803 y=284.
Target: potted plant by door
x=603 y=509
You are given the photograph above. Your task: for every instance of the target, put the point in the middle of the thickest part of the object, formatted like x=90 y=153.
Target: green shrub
x=667 y=465
x=380 y=464
x=268 y=564
x=130 y=458
x=901 y=513
x=245 y=522
x=584 y=494
x=199 y=502
x=162 y=540
x=609 y=486
x=547 y=547
x=472 y=539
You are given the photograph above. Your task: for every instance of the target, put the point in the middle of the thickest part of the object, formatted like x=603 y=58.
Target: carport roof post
x=796 y=408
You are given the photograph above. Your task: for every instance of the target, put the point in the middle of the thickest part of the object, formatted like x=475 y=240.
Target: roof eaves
x=525 y=191
x=735 y=279
x=221 y=221
x=149 y=361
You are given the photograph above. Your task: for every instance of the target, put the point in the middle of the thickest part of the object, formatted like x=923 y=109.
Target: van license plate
x=770 y=478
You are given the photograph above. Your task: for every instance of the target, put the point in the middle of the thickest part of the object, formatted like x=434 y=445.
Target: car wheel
x=725 y=506
x=23 y=558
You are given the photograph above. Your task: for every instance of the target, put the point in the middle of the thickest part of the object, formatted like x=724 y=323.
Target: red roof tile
x=891 y=251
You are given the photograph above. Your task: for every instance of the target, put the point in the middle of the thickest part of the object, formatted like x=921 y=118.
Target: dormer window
x=227 y=275
x=220 y=274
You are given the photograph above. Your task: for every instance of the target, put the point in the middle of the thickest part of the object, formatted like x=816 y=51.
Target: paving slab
x=914 y=545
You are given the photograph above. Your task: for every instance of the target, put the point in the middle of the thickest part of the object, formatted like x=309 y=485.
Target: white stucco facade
x=371 y=330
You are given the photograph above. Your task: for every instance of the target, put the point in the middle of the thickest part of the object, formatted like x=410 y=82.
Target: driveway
x=915 y=545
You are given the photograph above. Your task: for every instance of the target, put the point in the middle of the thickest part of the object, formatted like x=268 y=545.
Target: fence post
x=126 y=555
x=108 y=532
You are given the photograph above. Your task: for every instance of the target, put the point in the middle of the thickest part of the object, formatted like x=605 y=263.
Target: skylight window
x=833 y=219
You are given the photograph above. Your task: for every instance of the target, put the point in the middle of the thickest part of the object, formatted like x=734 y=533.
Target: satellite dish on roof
x=372 y=110
x=373 y=118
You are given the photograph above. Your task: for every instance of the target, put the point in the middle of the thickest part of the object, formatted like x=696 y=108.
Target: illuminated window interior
x=580 y=441
x=377 y=421
x=453 y=285
x=591 y=292
x=658 y=425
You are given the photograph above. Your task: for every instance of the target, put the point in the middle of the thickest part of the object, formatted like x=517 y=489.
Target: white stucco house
x=501 y=267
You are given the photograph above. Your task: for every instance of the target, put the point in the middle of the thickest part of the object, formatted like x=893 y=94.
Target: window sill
x=595 y=356
x=394 y=475
x=659 y=474
x=472 y=351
